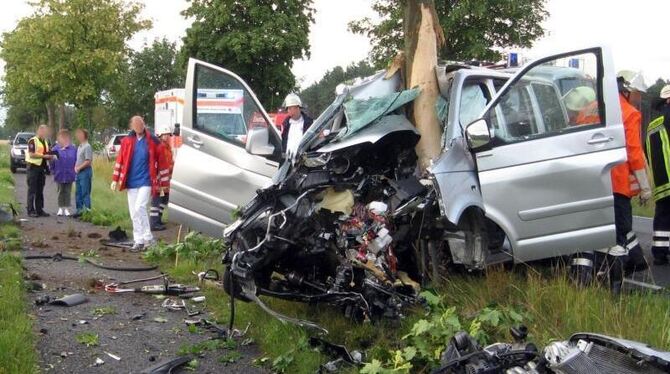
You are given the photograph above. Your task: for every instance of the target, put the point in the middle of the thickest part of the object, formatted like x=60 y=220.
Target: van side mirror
x=177 y=129
x=478 y=134
x=258 y=142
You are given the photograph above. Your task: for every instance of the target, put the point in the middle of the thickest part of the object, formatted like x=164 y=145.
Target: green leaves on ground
x=88 y=339
x=195 y=247
x=428 y=336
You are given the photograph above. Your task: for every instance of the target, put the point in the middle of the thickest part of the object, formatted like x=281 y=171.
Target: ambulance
x=169 y=111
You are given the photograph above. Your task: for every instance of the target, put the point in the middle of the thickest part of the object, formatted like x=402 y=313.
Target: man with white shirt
x=295 y=125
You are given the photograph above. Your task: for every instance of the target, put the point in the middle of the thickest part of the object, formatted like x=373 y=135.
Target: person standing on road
x=658 y=155
x=36 y=160
x=161 y=196
x=63 y=170
x=629 y=179
x=295 y=125
x=137 y=170
x=84 y=172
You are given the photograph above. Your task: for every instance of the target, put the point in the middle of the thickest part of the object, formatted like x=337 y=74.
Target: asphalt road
x=138 y=330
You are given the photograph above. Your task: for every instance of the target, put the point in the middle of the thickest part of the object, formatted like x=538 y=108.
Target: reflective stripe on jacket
x=41 y=148
x=125 y=155
x=658 y=155
x=623 y=177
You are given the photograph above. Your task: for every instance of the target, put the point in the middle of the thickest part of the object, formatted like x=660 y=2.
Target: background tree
x=473 y=29
x=320 y=94
x=152 y=69
x=68 y=51
x=257 y=39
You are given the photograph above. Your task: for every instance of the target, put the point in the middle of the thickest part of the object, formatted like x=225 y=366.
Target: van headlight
x=16 y=152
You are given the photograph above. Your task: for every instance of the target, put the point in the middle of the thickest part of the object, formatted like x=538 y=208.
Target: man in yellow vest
x=658 y=156
x=36 y=160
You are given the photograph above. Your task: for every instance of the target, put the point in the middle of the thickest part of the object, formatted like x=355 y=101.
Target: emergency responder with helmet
x=629 y=179
x=295 y=125
x=161 y=196
x=658 y=156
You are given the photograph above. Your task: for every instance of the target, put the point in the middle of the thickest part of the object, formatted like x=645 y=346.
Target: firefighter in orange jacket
x=161 y=196
x=629 y=180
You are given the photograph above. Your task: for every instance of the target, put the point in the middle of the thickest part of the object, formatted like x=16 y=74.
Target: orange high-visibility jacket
x=623 y=179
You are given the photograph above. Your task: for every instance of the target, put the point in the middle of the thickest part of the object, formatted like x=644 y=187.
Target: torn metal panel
x=373 y=133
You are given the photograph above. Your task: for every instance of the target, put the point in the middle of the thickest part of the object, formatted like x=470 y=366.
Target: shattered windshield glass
x=361 y=113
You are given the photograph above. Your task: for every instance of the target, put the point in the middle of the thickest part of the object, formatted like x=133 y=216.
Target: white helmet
x=665 y=92
x=163 y=129
x=292 y=100
x=632 y=80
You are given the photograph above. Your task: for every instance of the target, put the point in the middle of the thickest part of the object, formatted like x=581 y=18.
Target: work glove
x=113 y=186
x=645 y=189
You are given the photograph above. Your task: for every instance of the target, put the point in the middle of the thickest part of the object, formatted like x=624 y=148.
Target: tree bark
x=51 y=114
x=61 y=117
x=423 y=37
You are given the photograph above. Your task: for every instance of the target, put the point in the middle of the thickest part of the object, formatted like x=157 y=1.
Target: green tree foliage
x=68 y=51
x=257 y=39
x=474 y=29
x=150 y=70
x=320 y=94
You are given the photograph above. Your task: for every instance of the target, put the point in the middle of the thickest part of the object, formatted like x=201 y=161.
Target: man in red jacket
x=137 y=170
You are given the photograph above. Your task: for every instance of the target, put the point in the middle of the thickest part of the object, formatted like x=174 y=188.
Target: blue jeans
x=83 y=194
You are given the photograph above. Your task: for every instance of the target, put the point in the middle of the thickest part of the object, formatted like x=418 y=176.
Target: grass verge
x=108 y=208
x=486 y=306
x=17 y=352
x=548 y=304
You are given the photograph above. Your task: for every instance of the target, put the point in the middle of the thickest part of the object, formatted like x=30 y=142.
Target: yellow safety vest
x=41 y=148
x=658 y=156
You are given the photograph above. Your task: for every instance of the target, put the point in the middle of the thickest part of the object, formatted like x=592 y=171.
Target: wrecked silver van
x=350 y=220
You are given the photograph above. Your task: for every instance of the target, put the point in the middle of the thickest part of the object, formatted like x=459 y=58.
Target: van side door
x=214 y=173
x=545 y=175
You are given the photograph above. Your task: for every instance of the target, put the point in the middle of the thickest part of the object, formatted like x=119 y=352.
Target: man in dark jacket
x=295 y=125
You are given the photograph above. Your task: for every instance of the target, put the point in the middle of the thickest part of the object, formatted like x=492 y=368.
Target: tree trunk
x=51 y=114
x=61 y=117
x=423 y=37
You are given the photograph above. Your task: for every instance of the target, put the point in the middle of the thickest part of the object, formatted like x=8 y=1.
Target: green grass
x=109 y=208
x=17 y=352
x=643 y=211
x=553 y=308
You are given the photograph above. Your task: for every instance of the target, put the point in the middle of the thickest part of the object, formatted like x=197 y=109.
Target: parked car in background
x=113 y=146
x=17 y=153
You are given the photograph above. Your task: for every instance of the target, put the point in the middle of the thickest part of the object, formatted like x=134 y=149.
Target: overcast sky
x=634 y=32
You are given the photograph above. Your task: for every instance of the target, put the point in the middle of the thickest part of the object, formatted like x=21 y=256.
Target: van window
x=474 y=97
x=535 y=105
x=223 y=107
x=117 y=139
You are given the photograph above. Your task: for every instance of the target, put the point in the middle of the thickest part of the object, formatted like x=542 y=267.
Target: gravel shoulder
x=140 y=342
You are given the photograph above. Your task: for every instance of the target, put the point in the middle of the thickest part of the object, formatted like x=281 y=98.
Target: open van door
x=544 y=157
x=229 y=149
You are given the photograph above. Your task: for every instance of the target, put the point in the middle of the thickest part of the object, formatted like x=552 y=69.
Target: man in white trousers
x=136 y=170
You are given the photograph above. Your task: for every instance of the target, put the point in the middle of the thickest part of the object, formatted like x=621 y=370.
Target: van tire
x=473 y=224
